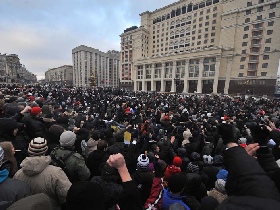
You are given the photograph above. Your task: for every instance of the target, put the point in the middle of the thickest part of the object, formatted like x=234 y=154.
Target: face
x=15 y=131
x=157 y=149
x=13 y=149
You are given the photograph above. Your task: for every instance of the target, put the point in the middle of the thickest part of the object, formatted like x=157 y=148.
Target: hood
x=4 y=175
x=35 y=165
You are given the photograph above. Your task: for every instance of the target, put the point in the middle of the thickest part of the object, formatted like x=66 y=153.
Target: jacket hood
x=35 y=165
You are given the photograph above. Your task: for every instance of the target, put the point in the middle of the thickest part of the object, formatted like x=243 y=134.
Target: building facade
x=89 y=62
x=12 y=71
x=62 y=75
x=209 y=46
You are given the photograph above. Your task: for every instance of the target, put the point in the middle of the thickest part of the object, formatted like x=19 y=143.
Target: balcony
x=254 y=53
x=257 y=29
x=259 y=36
x=256 y=44
x=253 y=61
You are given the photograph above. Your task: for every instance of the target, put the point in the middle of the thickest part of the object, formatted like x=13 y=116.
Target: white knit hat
x=37 y=147
x=67 y=139
x=143 y=161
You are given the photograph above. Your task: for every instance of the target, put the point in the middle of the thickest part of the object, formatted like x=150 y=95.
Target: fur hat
x=142 y=161
x=207 y=159
x=176 y=183
x=1 y=155
x=67 y=138
x=35 y=111
x=177 y=161
x=85 y=195
x=37 y=147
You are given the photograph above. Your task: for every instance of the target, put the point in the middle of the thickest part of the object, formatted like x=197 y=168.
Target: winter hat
x=195 y=156
x=220 y=185
x=143 y=161
x=222 y=174
x=85 y=195
x=1 y=155
x=193 y=168
x=35 y=111
x=37 y=147
x=176 y=183
x=207 y=159
x=177 y=161
x=218 y=160
x=67 y=139
x=56 y=130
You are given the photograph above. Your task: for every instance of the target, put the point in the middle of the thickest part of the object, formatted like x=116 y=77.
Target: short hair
x=153 y=147
x=102 y=144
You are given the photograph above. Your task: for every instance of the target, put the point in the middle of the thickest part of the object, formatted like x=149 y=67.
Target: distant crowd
x=90 y=148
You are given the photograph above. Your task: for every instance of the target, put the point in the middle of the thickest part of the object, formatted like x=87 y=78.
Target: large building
x=204 y=46
x=12 y=71
x=89 y=62
x=62 y=75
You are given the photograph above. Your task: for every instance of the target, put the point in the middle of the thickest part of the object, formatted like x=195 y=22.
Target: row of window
x=260 y=9
x=184 y=10
x=254 y=58
x=254 y=66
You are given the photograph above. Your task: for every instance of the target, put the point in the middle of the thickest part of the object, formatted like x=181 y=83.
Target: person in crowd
x=75 y=163
x=9 y=162
x=11 y=190
x=41 y=176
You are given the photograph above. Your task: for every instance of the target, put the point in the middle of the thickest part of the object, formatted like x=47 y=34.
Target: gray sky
x=44 y=32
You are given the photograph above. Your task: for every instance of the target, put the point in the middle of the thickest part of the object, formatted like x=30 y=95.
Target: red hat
x=31 y=98
x=177 y=161
x=35 y=111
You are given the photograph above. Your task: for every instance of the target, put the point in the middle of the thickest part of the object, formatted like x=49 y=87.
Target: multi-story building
x=204 y=46
x=12 y=71
x=89 y=62
x=62 y=75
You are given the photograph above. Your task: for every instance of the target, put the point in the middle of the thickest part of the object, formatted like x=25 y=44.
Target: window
x=212 y=34
x=207 y=17
x=205 y=41
x=214 y=22
x=259 y=17
x=264 y=65
x=242 y=59
x=213 y=28
x=205 y=35
x=247 y=20
x=214 y=15
x=271 y=23
x=269 y=32
x=199 y=42
x=206 y=23
x=248 y=12
x=245 y=36
x=255 y=49
x=244 y=44
x=267 y=49
x=272 y=6
x=268 y=40
x=253 y=66
x=263 y=74
x=261 y=1
x=272 y=14
x=246 y=28
x=259 y=9
x=265 y=57
x=249 y=3
x=241 y=67
x=212 y=40
x=199 y=37
x=243 y=52
x=240 y=74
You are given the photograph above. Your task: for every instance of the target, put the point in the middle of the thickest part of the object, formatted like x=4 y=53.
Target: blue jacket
x=169 y=199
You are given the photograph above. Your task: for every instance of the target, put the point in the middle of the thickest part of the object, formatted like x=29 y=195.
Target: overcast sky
x=44 y=32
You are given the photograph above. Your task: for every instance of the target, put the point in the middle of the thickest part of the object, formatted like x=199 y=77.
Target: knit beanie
x=207 y=159
x=193 y=168
x=220 y=185
x=222 y=174
x=37 y=147
x=177 y=161
x=142 y=161
x=67 y=139
x=1 y=155
x=35 y=111
x=195 y=156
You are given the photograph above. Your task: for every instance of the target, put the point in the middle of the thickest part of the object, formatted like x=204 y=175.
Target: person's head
x=176 y=183
x=67 y=139
x=155 y=148
x=85 y=195
x=36 y=111
x=102 y=145
x=37 y=147
x=8 y=147
x=142 y=161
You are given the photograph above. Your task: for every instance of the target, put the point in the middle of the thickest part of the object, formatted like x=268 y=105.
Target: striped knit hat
x=142 y=161
x=193 y=168
x=37 y=147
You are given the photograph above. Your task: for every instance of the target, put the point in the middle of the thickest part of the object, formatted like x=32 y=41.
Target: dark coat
x=94 y=161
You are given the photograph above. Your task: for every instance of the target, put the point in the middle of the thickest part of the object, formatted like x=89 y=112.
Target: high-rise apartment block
x=204 y=46
x=88 y=62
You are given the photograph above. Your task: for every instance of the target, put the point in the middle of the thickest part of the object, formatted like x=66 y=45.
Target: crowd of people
x=89 y=148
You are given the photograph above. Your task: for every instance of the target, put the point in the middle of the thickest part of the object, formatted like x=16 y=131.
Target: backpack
x=60 y=161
